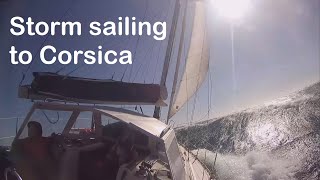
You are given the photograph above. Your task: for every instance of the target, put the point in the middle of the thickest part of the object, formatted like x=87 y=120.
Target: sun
x=232 y=9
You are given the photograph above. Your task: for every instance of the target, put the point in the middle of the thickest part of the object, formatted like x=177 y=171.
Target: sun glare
x=232 y=9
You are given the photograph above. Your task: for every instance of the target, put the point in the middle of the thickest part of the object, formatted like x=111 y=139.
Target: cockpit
x=90 y=142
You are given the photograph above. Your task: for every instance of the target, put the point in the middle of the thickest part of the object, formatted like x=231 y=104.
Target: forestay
x=197 y=61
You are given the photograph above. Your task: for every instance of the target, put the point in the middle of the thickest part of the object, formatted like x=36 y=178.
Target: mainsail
x=197 y=62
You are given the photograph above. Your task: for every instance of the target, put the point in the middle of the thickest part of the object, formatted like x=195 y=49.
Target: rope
x=49 y=120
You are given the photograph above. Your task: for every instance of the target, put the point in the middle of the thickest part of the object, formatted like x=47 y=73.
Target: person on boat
x=121 y=150
x=32 y=155
x=124 y=147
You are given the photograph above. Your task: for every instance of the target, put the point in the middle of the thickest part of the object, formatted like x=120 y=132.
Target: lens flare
x=232 y=9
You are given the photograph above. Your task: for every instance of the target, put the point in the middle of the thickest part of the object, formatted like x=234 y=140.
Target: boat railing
x=11 y=171
x=210 y=169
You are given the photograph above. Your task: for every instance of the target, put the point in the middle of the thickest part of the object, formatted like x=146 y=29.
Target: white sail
x=197 y=61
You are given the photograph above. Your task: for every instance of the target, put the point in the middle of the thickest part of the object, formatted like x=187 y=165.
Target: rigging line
x=211 y=87
x=126 y=67
x=24 y=73
x=124 y=73
x=117 y=41
x=234 y=85
x=46 y=38
x=137 y=42
x=122 y=42
x=190 y=121
x=144 y=73
x=64 y=66
x=150 y=51
x=77 y=68
x=194 y=103
x=149 y=62
x=212 y=147
x=205 y=159
x=209 y=99
x=74 y=70
x=197 y=87
x=169 y=47
x=202 y=118
x=187 y=112
x=166 y=17
x=158 y=55
x=157 y=62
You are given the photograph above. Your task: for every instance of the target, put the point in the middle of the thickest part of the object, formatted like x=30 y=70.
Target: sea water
x=251 y=166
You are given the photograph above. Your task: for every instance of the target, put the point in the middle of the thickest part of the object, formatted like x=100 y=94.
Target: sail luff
x=197 y=61
x=176 y=73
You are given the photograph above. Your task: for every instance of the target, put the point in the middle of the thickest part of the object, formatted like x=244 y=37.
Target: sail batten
x=197 y=61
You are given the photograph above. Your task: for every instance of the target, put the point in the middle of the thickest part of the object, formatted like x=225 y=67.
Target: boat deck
x=195 y=170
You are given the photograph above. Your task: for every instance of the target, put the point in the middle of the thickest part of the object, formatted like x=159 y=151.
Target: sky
x=276 y=51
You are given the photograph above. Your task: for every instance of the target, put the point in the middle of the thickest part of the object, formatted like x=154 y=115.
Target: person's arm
x=16 y=152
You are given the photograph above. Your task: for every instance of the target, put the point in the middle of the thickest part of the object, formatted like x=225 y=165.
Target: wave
x=251 y=166
x=279 y=140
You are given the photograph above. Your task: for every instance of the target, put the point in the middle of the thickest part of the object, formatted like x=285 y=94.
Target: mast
x=156 y=113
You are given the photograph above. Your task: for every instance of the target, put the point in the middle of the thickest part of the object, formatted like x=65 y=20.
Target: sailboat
x=86 y=139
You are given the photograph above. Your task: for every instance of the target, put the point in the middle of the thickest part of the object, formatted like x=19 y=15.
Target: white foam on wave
x=252 y=166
